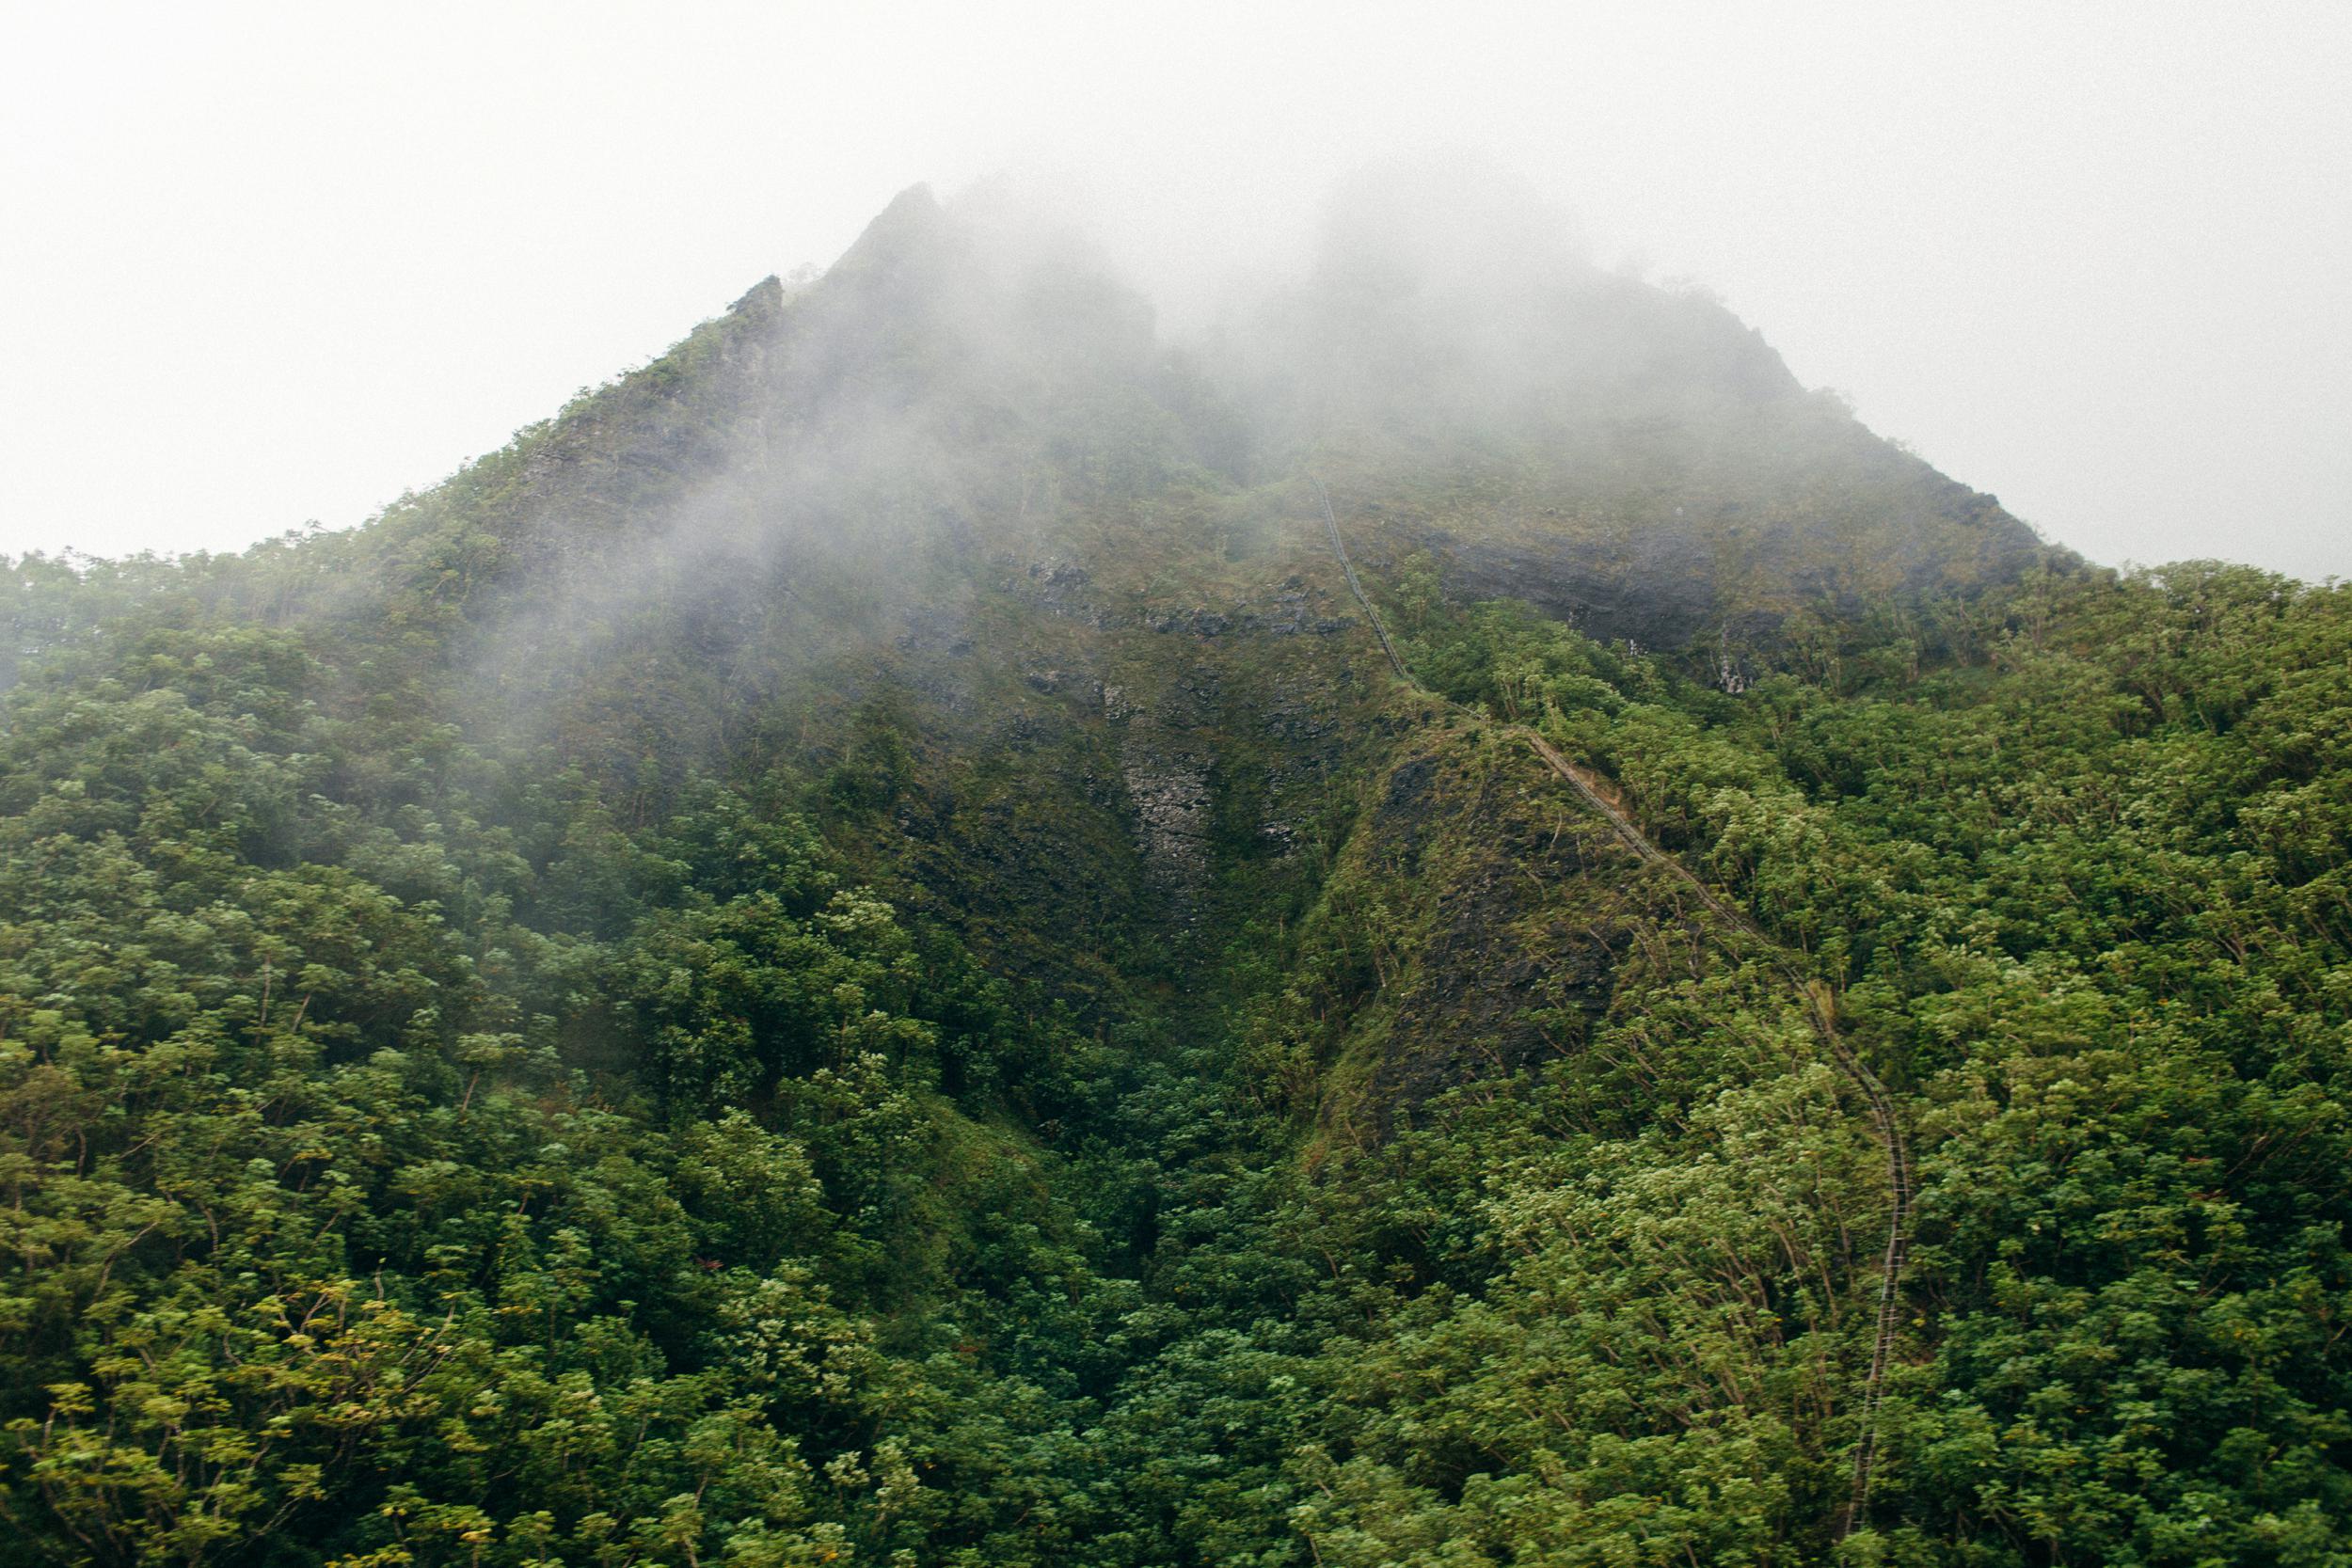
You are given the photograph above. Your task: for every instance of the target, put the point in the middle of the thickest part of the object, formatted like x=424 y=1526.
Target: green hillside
x=853 y=952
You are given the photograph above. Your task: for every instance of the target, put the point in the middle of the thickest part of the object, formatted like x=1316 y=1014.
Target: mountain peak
x=925 y=890
x=913 y=221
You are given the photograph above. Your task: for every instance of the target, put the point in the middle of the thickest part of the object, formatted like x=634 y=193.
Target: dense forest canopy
x=852 y=952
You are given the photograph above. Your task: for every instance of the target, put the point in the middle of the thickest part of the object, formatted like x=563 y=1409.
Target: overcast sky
x=261 y=264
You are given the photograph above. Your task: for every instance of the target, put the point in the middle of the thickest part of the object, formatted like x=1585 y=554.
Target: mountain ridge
x=938 y=930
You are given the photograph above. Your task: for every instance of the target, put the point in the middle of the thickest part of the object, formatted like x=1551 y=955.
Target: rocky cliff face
x=956 y=490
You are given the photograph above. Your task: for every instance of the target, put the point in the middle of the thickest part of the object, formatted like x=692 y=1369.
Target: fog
x=261 y=264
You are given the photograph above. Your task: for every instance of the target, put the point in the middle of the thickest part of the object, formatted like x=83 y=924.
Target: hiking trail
x=1819 y=1008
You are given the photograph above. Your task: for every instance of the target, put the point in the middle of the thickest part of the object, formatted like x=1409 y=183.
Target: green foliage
x=415 y=1157
x=331 y=1238
x=2049 y=875
x=843 y=955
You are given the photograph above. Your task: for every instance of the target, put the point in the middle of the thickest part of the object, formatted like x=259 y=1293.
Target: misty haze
x=1295 y=871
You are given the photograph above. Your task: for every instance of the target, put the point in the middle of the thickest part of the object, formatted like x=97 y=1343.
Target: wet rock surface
x=1168 y=788
x=1659 y=599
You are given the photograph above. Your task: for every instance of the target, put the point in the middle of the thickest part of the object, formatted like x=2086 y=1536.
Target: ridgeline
x=884 y=942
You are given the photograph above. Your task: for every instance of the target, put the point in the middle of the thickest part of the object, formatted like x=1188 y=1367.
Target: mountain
x=1452 y=923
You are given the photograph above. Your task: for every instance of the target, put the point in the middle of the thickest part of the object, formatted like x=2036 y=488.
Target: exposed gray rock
x=1170 y=789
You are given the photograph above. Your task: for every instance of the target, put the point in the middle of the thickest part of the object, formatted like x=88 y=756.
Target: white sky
x=267 y=264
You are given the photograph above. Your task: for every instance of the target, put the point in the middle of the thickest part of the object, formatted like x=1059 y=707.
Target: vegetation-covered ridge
x=854 y=953
x=1740 y=934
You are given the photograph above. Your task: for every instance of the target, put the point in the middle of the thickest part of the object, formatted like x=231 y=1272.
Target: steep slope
x=864 y=947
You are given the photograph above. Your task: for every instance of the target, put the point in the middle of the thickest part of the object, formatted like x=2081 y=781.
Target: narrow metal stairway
x=1744 y=933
